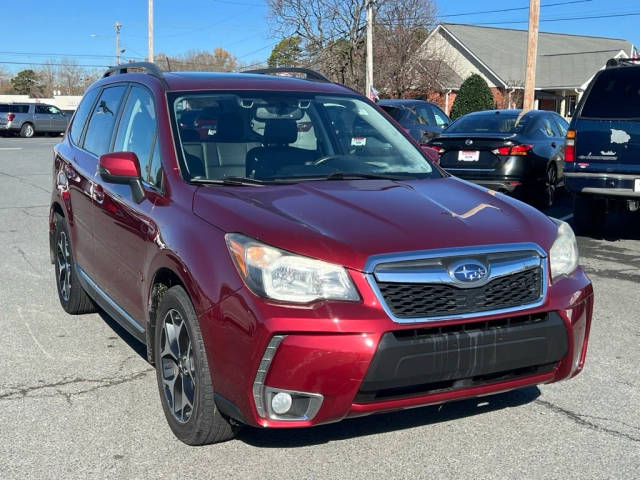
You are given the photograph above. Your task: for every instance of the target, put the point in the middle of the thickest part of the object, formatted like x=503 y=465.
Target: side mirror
x=122 y=168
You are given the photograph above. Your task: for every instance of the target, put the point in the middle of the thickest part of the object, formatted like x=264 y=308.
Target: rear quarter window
x=615 y=94
x=80 y=118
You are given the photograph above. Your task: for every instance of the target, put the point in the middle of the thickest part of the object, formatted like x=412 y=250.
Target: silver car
x=27 y=119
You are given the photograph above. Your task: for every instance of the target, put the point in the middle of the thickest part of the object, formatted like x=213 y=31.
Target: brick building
x=565 y=64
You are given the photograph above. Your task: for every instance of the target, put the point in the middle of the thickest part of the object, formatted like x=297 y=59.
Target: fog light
x=281 y=403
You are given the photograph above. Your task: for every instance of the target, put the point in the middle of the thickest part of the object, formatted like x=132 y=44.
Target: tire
x=589 y=214
x=73 y=298
x=27 y=130
x=183 y=375
x=547 y=193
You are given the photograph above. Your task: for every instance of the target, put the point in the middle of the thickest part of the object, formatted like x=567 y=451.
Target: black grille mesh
x=415 y=300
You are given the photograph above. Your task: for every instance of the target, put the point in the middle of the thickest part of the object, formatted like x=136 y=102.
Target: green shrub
x=474 y=95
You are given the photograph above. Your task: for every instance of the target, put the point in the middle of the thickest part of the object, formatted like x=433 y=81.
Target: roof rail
x=148 y=67
x=282 y=71
x=623 y=62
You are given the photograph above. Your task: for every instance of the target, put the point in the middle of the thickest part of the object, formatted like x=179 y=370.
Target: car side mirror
x=122 y=168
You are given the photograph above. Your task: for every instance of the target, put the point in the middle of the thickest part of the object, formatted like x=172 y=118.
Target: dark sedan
x=423 y=120
x=507 y=151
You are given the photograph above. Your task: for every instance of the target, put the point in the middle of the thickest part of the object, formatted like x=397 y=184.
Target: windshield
x=488 y=123
x=271 y=136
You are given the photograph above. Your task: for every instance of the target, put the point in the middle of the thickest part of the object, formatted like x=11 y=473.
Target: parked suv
x=304 y=262
x=423 y=120
x=27 y=119
x=602 y=158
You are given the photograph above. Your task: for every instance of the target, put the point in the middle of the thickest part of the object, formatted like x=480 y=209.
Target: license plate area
x=468 y=156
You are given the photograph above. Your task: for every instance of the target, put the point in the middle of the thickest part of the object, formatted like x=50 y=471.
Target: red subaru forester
x=291 y=257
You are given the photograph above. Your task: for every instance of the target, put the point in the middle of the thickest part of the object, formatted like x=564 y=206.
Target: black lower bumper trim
x=417 y=362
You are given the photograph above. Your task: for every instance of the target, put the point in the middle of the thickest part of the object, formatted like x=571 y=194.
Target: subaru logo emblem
x=468 y=141
x=468 y=271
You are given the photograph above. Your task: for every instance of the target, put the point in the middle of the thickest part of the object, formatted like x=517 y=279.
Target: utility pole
x=117 y=27
x=532 y=52
x=150 y=30
x=369 y=72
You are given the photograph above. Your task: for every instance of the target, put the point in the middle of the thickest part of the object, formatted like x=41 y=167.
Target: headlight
x=564 y=252
x=280 y=275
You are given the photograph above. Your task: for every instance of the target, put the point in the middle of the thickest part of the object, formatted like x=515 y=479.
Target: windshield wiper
x=349 y=176
x=228 y=181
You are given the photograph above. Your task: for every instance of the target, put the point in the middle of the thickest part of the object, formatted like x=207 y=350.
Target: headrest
x=229 y=128
x=280 y=131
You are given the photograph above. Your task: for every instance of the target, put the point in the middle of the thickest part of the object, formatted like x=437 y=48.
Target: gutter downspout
x=446 y=101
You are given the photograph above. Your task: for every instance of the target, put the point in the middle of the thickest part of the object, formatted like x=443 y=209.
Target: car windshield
x=488 y=123
x=284 y=136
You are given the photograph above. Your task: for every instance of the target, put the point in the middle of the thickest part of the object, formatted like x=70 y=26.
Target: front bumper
x=331 y=349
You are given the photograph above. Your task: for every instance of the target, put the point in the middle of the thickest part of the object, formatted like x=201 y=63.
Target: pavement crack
x=21 y=180
x=580 y=420
x=22 y=392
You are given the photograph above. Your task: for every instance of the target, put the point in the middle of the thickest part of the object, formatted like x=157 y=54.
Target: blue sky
x=83 y=30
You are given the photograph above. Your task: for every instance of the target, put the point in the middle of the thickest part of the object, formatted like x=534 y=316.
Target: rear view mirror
x=122 y=168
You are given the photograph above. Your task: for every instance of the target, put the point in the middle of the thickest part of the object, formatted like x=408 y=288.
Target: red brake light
x=10 y=116
x=512 y=150
x=570 y=147
x=520 y=149
x=438 y=149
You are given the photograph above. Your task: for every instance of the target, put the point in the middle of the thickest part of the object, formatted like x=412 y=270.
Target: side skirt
x=109 y=306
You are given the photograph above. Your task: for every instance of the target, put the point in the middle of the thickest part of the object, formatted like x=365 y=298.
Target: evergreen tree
x=474 y=95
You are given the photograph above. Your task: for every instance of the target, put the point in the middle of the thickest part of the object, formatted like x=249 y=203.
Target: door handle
x=97 y=192
x=553 y=144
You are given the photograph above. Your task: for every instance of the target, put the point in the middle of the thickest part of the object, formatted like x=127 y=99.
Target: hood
x=345 y=222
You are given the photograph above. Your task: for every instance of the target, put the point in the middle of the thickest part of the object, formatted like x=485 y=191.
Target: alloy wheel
x=550 y=186
x=178 y=366
x=63 y=259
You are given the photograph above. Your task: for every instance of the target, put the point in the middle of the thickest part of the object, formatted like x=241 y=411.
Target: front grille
x=417 y=300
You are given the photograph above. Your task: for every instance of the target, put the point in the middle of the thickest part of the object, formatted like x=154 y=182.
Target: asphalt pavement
x=78 y=399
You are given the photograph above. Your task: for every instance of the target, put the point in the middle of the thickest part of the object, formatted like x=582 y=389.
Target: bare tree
x=333 y=34
x=5 y=81
x=401 y=27
x=218 y=60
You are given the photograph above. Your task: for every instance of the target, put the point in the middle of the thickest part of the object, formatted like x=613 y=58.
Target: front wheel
x=183 y=375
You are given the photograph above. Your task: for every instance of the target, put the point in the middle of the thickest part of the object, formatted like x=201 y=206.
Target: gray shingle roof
x=563 y=60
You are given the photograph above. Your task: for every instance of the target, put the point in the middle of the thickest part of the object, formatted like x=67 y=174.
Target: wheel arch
x=55 y=208
x=162 y=280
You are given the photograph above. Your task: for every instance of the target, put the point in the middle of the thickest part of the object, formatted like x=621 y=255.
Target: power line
x=501 y=10
x=57 y=54
x=566 y=19
x=54 y=64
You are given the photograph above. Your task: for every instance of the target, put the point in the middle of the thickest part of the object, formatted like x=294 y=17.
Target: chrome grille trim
x=385 y=269
x=263 y=370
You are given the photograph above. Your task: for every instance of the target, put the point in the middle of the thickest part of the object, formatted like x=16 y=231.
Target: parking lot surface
x=78 y=399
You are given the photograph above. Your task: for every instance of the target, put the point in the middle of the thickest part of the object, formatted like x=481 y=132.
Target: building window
x=570 y=106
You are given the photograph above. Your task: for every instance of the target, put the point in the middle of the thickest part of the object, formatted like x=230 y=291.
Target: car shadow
x=135 y=344
x=386 y=422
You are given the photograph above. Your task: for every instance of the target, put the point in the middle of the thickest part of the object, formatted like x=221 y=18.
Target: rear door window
x=80 y=118
x=615 y=94
x=441 y=118
x=99 y=132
